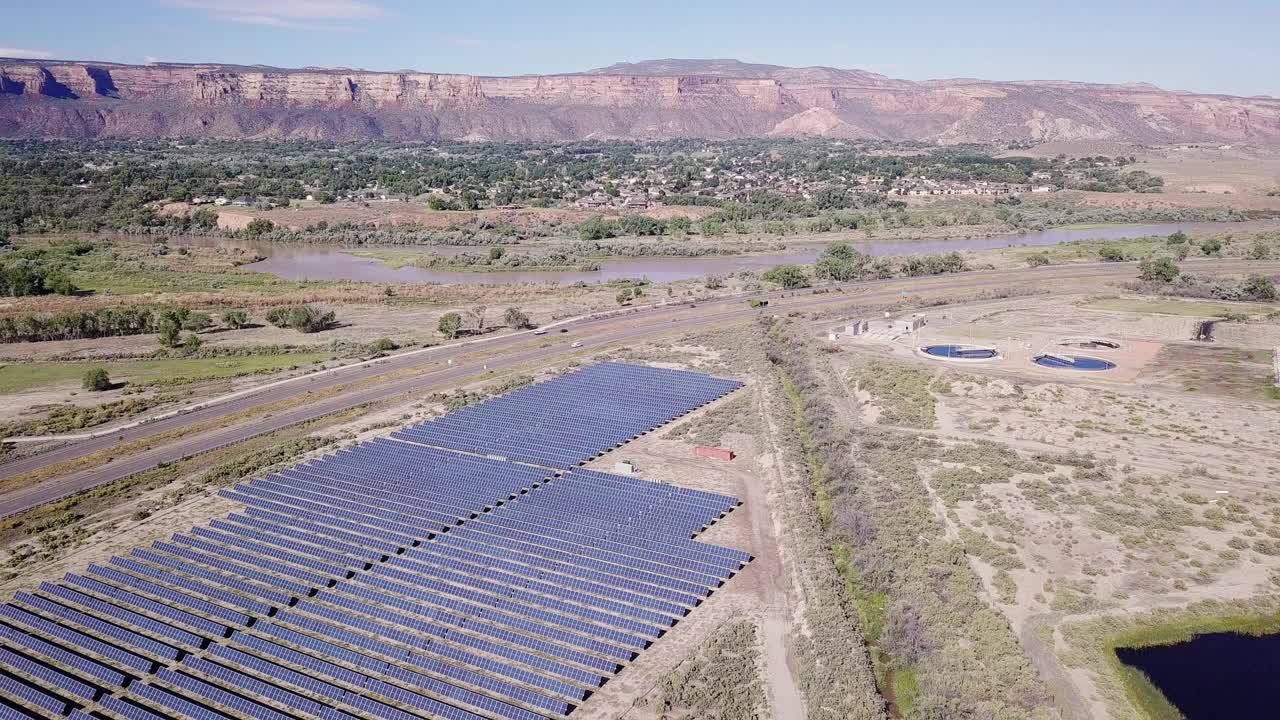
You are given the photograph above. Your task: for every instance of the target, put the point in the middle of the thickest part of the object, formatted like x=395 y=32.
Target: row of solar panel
x=547 y=423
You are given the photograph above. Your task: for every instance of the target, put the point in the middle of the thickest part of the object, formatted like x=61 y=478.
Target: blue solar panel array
x=425 y=576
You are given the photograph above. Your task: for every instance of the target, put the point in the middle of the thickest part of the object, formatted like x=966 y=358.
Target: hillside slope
x=648 y=100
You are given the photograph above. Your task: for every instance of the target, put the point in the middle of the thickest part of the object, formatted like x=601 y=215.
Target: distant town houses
x=653 y=181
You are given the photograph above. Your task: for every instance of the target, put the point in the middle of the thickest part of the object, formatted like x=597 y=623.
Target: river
x=318 y=262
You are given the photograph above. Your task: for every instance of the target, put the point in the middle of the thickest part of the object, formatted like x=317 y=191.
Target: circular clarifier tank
x=1073 y=362
x=960 y=352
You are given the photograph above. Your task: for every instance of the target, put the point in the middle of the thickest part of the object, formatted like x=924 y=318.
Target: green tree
x=496 y=253
x=1161 y=269
x=258 y=227
x=169 y=328
x=790 y=277
x=96 y=380
x=303 y=318
x=597 y=228
x=840 y=262
x=516 y=319
x=450 y=324
x=206 y=218
x=1177 y=238
x=440 y=202
x=235 y=319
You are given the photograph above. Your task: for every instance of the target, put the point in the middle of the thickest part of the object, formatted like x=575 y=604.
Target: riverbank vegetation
x=938 y=649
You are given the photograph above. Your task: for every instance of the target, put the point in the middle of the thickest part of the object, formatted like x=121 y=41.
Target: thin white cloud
x=25 y=53
x=293 y=14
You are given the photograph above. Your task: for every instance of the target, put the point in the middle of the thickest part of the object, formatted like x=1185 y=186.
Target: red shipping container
x=714 y=453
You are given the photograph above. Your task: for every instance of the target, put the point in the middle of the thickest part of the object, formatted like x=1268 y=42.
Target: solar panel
x=11 y=713
x=37 y=698
x=142 y=622
x=46 y=676
x=98 y=627
x=55 y=631
x=60 y=655
x=172 y=701
x=124 y=597
x=165 y=594
x=128 y=710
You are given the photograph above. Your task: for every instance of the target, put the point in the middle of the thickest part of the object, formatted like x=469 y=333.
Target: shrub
x=382 y=345
x=197 y=321
x=96 y=380
x=1259 y=287
x=235 y=319
x=1211 y=247
x=1111 y=253
x=1038 y=259
x=1259 y=251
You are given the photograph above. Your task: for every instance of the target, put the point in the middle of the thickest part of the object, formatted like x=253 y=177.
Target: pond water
x=960 y=352
x=1219 y=675
x=317 y=262
x=1074 y=362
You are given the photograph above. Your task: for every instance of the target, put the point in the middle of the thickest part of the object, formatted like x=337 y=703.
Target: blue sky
x=1226 y=46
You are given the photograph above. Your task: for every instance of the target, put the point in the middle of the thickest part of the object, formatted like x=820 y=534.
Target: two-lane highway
x=421 y=372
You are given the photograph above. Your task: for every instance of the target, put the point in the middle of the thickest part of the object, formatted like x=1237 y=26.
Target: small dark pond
x=1219 y=675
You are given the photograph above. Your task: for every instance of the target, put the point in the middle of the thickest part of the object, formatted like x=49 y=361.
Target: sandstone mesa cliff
x=658 y=100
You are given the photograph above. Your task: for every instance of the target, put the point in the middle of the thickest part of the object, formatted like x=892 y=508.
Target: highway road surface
x=423 y=372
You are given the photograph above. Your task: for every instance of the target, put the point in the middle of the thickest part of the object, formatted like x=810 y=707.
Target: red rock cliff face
x=74 y=99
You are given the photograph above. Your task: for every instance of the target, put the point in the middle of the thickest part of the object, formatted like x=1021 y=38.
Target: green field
x=1189 y=308
x=123 y=281
x=20 y=377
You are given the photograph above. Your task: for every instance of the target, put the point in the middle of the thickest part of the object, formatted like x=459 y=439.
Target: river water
x=318 y=262
x=1219 y=675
